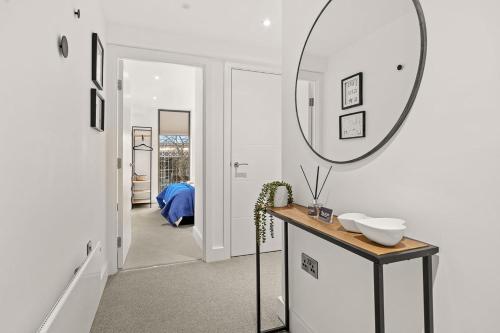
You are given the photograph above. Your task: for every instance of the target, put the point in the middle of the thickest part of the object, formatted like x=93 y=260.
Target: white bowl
x=348 y=221
x=385 y=231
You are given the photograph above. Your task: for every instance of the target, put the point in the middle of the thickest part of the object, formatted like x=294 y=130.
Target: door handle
x=238 y=164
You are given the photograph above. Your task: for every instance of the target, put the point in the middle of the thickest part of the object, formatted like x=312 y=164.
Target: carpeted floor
x=156 y=242
x=193 y=297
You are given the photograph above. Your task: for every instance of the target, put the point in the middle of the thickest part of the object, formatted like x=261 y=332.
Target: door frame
x=228 y=69
x=211 y=81
x=315 y=78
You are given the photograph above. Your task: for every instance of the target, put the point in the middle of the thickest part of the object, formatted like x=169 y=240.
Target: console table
x=380 y=255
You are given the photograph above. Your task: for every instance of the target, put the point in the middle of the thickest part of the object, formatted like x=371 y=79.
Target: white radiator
x=74 y=311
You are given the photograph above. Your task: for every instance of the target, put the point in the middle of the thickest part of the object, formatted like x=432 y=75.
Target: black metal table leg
x=257 y=263
x=428 y=298
x=378 y=281
x=287 y=292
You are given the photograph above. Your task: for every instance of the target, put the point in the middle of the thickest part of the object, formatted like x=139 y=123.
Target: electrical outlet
x=310 y=265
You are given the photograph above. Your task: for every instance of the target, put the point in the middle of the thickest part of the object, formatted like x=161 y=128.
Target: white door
x=255 y=143
x=124 y=180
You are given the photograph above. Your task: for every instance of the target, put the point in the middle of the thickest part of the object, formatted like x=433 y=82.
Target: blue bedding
x=176 y=201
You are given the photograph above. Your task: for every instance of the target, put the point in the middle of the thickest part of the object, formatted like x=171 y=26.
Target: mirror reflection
x=358 y=75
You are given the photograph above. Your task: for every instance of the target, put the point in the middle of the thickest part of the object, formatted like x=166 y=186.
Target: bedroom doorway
x=161 y=225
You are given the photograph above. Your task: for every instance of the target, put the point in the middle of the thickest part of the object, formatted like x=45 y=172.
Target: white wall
x=440 y=173
x=53 y=163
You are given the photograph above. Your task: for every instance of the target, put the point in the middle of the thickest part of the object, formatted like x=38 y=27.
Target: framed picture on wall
x=352 y=125
x=96 y=110
x=352 y=91
x=97 y=62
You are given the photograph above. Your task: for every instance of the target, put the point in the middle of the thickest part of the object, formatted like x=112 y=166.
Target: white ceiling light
x=266 y=22
x=157 y=77
x=155 y=98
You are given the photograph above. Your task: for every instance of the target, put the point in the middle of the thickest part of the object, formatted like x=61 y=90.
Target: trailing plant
x=265 y=200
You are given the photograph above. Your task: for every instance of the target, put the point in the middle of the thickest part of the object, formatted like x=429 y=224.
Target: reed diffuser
x=313 y=209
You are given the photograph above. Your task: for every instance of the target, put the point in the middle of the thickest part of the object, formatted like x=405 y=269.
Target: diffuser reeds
x=315 y=194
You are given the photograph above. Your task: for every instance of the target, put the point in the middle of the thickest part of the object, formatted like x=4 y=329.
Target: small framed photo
x=97 y=62
x=325 y=214
x=96 y=110
x=352 y=125
x=352 y=91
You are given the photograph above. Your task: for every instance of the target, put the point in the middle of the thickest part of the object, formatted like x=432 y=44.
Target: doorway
x=162 y=226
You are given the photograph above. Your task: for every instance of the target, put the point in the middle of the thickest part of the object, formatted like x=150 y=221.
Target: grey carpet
x=191 y=297
x=155 y=242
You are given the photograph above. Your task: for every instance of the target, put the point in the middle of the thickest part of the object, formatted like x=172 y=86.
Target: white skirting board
x=198 y=238
x=74 y=311
x=297 y=324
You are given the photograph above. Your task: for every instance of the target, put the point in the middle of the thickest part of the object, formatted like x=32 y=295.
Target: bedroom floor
x=155 y=242
x=193 y=297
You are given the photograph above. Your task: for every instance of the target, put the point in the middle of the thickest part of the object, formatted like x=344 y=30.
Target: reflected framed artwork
x=352 y=125
x=352 y=91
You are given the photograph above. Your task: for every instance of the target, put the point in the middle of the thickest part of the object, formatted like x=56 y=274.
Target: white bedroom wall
x=53 y=168
x=440 y=173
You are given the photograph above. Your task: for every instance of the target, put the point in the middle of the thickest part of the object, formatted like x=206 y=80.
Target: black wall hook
x=77 y=13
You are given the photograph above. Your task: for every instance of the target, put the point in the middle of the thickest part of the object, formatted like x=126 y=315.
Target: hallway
x=191 y=297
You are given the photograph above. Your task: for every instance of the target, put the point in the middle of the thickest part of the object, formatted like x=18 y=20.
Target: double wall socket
x=310 y=265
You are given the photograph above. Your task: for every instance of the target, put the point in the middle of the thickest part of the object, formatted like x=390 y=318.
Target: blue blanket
x=176 y=201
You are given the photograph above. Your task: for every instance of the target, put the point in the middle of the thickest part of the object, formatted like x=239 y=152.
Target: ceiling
x=345 y=22
x=153 y=85
x=223 y=20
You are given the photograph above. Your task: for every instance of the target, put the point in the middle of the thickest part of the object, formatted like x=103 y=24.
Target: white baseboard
x=198 y=238
x=104 y=277
x=297 y=324
x=218 y=253
x=281 y=310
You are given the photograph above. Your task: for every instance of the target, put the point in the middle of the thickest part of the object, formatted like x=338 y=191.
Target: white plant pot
x=281 y=197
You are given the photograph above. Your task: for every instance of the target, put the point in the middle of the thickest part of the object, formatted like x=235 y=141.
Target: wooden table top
x=406 y=249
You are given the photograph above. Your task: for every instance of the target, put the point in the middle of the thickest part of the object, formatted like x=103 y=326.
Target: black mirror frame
x=409 y=104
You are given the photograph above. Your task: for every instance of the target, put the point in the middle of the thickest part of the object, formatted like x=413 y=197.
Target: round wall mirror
x=358 y=75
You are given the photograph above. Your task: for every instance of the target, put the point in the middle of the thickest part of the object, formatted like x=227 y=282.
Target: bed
x=176 y=202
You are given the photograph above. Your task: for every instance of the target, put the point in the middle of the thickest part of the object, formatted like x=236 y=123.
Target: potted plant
x=274 y=194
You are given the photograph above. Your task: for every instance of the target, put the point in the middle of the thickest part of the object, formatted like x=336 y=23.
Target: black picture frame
x=363 y=126
x=360 y=91
x=97 y=61
x=97 y=110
